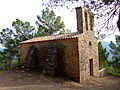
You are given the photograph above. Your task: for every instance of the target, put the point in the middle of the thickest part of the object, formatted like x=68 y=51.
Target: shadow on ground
x=18 y=80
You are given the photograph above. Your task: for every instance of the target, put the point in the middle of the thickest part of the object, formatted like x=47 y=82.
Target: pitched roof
x=52 y=37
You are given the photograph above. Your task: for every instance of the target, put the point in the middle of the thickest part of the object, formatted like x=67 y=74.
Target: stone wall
x=83 y=14
x=87 y=43
x=88 y=49
x=71 y=65
x=47 y=57
x=102 y=72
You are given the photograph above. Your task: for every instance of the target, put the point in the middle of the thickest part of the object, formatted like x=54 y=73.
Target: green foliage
x=23 y=30
x=48 y=23
x=2 y=55
x=114 y=71
x=117 y=37
x=113 y=67
x=4 y=60
x=10 y=40
x=63 y=31
x=7 y=41
x=103 y=56
x=115 y=50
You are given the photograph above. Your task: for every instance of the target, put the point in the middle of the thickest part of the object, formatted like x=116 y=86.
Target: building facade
x=74 y=55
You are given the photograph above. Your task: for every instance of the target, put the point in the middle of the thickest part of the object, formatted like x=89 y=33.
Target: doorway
x=91 y=66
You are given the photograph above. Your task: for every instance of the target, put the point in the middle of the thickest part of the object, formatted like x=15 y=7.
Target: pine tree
x=103 y=56
x=48 y=23
x=115 y=51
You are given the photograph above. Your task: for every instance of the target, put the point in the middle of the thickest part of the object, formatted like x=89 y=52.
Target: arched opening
x=91 y=22
x=86 y=21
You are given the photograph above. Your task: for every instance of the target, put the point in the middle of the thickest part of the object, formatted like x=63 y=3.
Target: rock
x=22 y=71
x=29 y=75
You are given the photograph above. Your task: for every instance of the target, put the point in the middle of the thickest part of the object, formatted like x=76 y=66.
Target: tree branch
x=118 y=22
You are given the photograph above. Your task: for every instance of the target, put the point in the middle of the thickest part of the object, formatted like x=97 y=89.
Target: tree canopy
x=48 y=23
x=103 y=56
x=10 y=38
x=115 y=51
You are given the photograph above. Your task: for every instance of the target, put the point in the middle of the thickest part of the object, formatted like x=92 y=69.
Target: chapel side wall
x=87 y=52
x=71 y=59
x=23 y=52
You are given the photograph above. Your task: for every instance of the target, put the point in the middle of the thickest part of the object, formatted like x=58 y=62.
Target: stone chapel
x=74 y=55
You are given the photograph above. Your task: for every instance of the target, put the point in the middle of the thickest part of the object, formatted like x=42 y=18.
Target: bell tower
x=85 y=20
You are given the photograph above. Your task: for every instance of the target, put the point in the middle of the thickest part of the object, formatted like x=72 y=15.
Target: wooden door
x=91 y=66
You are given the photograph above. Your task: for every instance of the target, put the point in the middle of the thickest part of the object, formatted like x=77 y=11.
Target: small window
x=86 y=20
x=91 y=22
x=90 y=44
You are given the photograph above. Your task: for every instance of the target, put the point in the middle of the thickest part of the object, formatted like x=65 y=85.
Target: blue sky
x=26 y=10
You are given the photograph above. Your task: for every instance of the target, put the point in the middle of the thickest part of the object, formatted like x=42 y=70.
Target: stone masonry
x=79 y=59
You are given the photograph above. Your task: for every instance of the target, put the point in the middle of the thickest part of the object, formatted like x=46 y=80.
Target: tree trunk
x=118 y=22
x=9 y=66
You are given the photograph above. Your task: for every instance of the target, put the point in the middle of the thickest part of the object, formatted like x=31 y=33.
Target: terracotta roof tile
x=52 y=37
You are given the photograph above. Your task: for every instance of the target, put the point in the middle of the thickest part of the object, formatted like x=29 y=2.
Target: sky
x=26 y=10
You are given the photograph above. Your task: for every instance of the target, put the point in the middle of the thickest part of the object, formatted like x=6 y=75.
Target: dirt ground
x=18 y=80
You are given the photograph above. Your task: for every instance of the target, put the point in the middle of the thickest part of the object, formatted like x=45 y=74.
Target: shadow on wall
x=48 y=58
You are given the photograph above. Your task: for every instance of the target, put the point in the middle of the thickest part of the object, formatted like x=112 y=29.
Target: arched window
x=86 y=20
x=91 y=22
